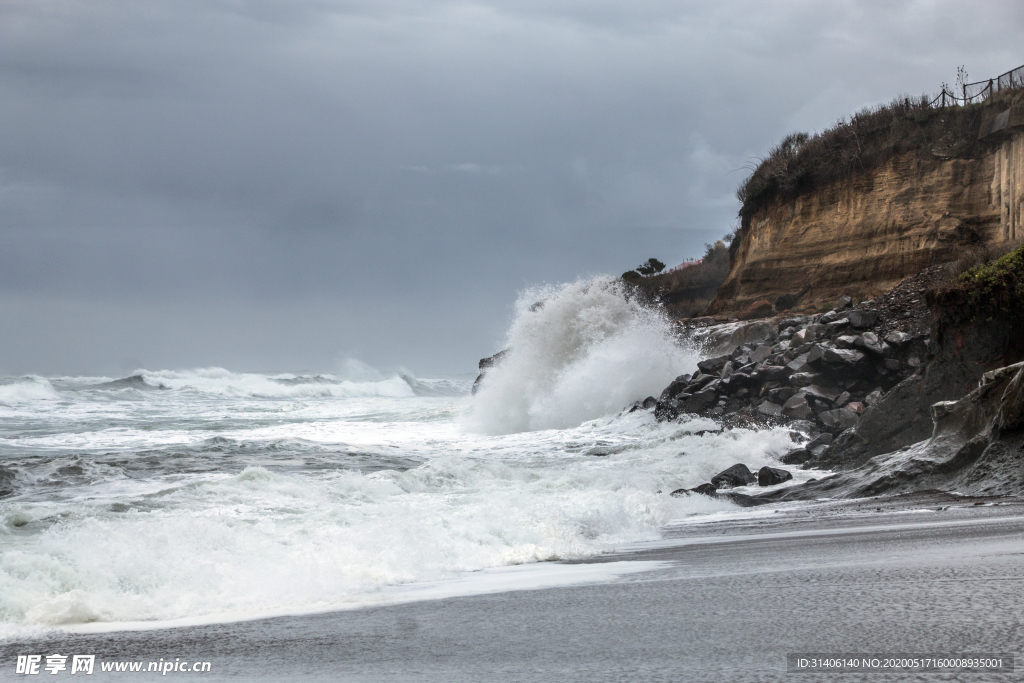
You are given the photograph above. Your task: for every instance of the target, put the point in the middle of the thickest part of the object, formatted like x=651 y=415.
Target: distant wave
x=221 y=382
x=587 y=351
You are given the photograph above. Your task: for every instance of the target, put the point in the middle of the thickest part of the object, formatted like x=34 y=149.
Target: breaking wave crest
x=26 y=389
x=577 y=352
x=224 y=383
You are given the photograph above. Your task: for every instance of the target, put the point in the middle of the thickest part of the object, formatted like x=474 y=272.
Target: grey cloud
x=411 y=164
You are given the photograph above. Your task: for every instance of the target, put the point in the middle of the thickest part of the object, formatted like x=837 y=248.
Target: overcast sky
x=283 y=184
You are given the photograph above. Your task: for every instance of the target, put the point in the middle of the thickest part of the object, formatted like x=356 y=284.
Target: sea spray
x=577 y=352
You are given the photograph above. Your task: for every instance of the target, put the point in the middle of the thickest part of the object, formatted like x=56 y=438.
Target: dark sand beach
x=923 y=574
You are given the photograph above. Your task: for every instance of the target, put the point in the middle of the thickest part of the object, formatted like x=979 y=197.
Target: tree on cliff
x=650 y=267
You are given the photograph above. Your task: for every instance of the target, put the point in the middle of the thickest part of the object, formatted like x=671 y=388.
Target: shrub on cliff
x=992 y=287
x=691 y=289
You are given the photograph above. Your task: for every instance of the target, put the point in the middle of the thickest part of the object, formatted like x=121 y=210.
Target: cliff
x=918 y=205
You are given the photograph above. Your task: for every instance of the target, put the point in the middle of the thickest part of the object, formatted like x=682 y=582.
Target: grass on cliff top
x=802 y=162
x=992 y=285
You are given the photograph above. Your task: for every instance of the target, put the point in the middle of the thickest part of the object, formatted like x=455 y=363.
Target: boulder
x=799 y=364
x=797 y=408
x=803 y=379
x=848 y=341
x=874 y=397
x=760 y=353
x=897 y=338
x=819 y=443
x=695 y=403
x=712 y=366
x=704 y=489
x=770 y=476
x=770 y=373
x=801 y=337
x=737 y=475
x=781 y=394
x=863 y=318
x=838 y=420
x=770 y=409
x=675 y=387
x=823 y=394
x=842 y=358
x=844 y=302
x=797 y=457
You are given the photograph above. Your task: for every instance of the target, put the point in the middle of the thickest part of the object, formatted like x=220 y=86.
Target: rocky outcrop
x=861 y=237
x=486 y=364
x=976 y=448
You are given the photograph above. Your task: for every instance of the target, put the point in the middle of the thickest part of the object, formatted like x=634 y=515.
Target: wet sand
x=728 y=600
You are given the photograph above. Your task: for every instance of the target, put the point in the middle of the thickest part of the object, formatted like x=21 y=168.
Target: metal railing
x=980 y=90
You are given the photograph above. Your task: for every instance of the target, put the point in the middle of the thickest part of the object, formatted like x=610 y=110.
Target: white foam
x=589 y=350
x=221 y=382
x=26 y=390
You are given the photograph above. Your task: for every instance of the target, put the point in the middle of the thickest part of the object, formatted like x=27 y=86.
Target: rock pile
x=817 y=373
x=738 y=475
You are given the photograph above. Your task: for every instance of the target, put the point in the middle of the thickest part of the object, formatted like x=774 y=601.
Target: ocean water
x=208 y=494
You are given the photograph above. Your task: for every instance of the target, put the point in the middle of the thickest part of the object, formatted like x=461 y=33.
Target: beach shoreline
x=727 y=597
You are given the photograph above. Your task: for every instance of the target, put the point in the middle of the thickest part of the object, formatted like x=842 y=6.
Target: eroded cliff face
x=861 y=237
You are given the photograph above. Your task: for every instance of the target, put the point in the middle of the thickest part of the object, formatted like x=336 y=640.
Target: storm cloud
x=279 y=185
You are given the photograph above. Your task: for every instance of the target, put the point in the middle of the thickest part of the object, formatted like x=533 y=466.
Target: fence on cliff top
x=980 y=90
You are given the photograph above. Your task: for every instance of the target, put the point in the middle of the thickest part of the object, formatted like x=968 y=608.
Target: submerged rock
x=737 y=475
x=770 y=476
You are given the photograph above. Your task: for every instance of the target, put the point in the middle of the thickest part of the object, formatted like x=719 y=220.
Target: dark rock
x=797 y=408
x=819 y=443
x=815 y=354
x=842 y=399
x=770 y=476
x=848 y=341
x=838 y=420
x=760 y=353
x=799 y=364
x=697 y=402
x=804 y=426
x=842 y=358
x=844 y=302
x=486 y=364
x=797 y=457
x=874 y=397
x=676 y=387
x=823 y=394
x=737 y=475
x=781 y=394
x=836 y=325
x=712 y=366
x=770 y=409
x=829 y=317
x=897 y=338
x=705 y=489
x=769 y=373
x=803 y=379
x=862 y=319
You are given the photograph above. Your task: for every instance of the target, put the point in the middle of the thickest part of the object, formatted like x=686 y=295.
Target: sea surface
x=209 y=495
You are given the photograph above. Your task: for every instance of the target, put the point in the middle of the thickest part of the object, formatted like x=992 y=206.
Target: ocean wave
x=589 y=349
x=261 y=540
x=27 y=389
x=221 y=382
